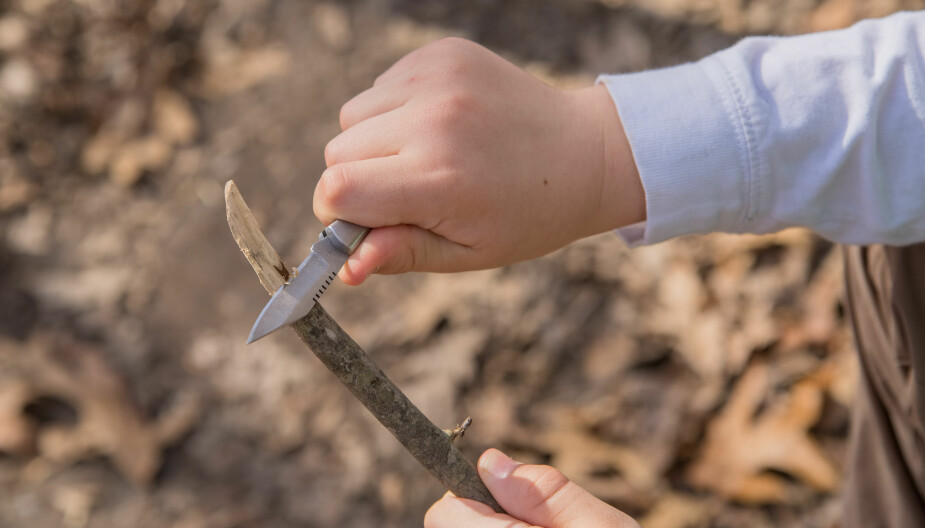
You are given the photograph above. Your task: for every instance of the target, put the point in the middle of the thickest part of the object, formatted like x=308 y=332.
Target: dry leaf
x=174 y=120
x=31 y=234
x=332 y=22
x=606 y=469
x=15 y=31
x=19 y=82
x=839 y=375
x=676 y=510
x=607 y=356
x=98 y=152
x=108 y=424
x=821 y=298
x=741 y=447
x=234 y=70
x=17 y=432
x=137 y=156
x=495 y=408
x=833 y=14
x=703 y=333
x=75 y=504
x=15 y=192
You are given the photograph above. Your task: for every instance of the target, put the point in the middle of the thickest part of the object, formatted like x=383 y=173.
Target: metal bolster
x=345 y=237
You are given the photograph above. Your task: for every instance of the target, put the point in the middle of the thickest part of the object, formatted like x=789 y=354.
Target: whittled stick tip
x=267 y=264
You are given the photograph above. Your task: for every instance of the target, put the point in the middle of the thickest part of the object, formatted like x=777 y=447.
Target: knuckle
x=403 y=64
x=345 y=115
x=334 y=185
x=457 y=68
x=403 y=254
x=331 y=151
x=450 y=44
x=449 y=54
x=447 y=113
x=547 y=484
x=351 y=111
x=456 y=52
x=457 y=104
x=318 y=204
x=550 y=481
x=412 y=255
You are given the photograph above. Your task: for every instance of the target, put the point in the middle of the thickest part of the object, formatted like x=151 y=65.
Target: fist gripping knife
x=293 y=301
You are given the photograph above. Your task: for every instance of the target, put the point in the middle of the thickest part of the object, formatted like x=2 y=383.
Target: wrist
x=611 y=171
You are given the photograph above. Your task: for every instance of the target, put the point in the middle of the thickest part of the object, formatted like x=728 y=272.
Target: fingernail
x=497 y=464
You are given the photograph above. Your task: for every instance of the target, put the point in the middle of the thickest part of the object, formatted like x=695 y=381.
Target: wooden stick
x=431 y=446
x=263 y=257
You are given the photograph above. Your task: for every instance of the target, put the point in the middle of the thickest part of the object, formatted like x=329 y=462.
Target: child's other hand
x=534 y=496
x=463 y=161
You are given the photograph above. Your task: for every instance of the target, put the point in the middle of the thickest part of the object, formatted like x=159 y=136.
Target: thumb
x=542 y=496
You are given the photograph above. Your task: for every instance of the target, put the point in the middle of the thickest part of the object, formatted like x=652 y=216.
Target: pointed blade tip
x=256 y=337
x=259 y=333
x=294 y=300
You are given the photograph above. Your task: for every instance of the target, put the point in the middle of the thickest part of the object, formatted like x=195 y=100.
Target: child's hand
x=463 y=161
x=534 y=496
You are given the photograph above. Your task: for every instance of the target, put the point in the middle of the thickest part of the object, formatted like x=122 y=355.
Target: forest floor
x=664 y=379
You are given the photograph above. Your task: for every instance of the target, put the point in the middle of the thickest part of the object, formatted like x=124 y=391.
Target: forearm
x=824 y=131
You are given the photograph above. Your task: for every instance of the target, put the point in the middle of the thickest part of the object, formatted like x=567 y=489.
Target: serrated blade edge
x=294 y=300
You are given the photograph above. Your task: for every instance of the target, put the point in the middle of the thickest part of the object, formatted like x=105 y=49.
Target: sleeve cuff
x=689 y=140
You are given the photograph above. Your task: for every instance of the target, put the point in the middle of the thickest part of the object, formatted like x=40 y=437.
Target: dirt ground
x=701 y=382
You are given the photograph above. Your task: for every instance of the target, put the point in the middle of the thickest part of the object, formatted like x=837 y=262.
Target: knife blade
x=294 y=300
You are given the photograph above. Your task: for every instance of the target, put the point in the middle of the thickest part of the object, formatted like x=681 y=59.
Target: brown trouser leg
x=886 y=302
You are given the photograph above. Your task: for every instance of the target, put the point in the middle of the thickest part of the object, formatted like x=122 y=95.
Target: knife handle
x=345 y=236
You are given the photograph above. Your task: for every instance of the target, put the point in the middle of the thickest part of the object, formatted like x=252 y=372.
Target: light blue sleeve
x=825 y=131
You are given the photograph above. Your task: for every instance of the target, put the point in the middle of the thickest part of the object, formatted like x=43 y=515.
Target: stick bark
x=432 y=447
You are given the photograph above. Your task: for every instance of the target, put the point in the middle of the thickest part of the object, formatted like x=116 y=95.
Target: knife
x=293 y=300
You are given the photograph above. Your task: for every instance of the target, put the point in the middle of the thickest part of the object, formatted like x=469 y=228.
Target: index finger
x=375 y=192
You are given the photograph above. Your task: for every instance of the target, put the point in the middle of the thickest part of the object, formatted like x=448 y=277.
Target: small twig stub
x=460 y=430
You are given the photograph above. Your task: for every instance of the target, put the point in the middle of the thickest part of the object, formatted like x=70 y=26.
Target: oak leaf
x=741 y=448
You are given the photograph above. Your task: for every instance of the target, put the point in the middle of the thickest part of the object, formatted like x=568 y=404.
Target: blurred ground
x=701 y=382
